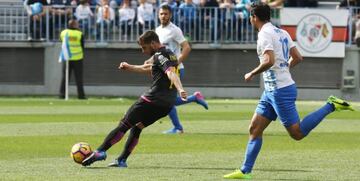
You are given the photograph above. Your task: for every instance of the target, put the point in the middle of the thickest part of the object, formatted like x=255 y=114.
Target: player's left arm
x=185 y=51
x=268 y=62
x=295 y=57
x=175 y=80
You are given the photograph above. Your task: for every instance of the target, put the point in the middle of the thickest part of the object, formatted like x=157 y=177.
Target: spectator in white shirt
x=145 y=16
x=83 y=14
x=105 y=19
x=126 y=17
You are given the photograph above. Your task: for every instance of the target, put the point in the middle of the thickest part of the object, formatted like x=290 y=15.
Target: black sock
x=114 y=136
x=131 y=142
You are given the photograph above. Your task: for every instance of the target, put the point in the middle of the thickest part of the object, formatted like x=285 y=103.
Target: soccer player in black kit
x=152 y=105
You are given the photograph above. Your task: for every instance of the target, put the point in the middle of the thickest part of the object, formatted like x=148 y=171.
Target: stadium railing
x=208 y=26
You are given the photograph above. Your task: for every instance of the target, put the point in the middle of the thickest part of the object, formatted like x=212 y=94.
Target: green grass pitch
x=36 y=135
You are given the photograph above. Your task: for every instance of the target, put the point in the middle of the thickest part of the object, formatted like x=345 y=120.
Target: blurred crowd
x=97 y=17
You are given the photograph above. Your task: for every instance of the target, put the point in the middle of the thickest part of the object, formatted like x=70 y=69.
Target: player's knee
x=297 y=136
x=252 y=129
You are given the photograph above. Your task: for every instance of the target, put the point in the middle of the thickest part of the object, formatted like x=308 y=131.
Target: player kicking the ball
x=152 y=105
x=274 y=47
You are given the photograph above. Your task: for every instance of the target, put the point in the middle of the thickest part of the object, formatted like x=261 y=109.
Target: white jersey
x=279 y=41
x=171 y=36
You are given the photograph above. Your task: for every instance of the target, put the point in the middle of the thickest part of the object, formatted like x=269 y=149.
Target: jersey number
x=285 y=48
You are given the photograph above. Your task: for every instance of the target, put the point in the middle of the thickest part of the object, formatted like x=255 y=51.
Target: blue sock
x=175 y=119
x=191 y=98
x=252 y=151
x=314 y=118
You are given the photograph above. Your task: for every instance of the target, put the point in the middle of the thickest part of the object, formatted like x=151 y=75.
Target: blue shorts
x=280 y=102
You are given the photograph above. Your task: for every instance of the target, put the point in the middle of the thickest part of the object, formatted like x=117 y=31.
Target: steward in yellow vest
x=76 y=46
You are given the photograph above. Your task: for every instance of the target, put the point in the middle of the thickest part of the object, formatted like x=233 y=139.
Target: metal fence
x=205 y=25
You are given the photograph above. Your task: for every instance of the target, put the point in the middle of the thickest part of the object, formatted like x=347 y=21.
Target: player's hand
x=248 y=77
x=123 y=66
x=183 y=95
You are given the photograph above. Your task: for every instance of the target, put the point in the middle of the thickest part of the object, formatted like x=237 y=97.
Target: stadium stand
x=13 y=21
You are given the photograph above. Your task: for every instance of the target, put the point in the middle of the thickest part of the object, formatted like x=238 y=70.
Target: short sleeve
x=165 y=63
x=265 y=42
x=179 y=36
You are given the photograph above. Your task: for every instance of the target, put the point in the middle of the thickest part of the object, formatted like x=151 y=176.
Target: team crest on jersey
x=162 y=59
x=314 y=33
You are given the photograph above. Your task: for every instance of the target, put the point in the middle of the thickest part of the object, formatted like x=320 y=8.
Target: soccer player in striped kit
x=277 y=54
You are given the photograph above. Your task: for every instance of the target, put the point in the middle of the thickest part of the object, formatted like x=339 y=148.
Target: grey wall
x=32 y=69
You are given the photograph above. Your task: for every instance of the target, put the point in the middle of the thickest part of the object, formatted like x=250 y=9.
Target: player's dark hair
x=148 y=37
x=261 y=10
x=166 y=7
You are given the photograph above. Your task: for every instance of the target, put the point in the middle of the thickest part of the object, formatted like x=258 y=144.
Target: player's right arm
x=268 y=62
x=144 y=68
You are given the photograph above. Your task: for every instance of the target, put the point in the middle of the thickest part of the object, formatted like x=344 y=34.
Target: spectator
x=209 y=18
x=105 y=20
x=83 y=14
x=187 y=13
x=355 y=17
x=145 y=16
x=300 y=3
x=60 y=13
x=243 y=9
x=126 y=18
x=277 y=4
x=243 y=14
x=228 y=17
x=36 y=10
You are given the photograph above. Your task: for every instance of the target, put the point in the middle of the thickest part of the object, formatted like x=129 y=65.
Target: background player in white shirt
x=277 y=53
x=172 y=37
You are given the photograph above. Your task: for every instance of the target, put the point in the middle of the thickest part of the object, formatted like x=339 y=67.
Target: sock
x=179 y=101
x=114 y=136
x=175 y=119
x=314 y=118
x=131 y=142
x=252 y=151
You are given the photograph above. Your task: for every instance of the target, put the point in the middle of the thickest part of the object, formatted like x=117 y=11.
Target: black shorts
x=144 y=112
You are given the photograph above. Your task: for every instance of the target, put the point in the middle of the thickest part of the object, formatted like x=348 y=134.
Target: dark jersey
x=162 y=92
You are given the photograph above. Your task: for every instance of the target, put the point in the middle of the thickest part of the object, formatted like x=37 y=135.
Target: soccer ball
x=80 y=151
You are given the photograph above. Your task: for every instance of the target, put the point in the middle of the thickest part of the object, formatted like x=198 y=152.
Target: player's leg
x=256 y=129
x=175 y=121
x=196 y=97
x=302 y=129
x=130 y=119
x=149 y=114
x=261 y=119
x=130 y=144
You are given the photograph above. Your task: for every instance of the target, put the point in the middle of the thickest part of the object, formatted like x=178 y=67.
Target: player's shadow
x=96 y=168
